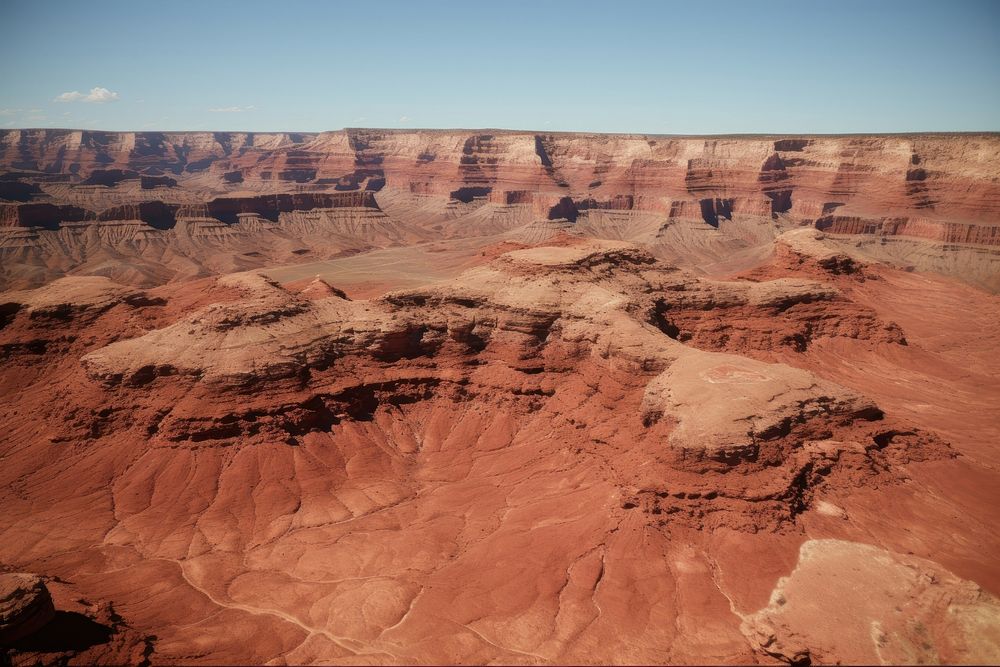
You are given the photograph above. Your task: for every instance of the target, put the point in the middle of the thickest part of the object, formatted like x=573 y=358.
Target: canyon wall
x=424 y=184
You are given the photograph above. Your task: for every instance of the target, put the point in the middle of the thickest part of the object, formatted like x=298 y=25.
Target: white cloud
x=9 y=112
x=404 y=119
x=96 y=95
x=249 y=107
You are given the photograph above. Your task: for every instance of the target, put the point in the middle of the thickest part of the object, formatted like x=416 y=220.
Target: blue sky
x=612 y=66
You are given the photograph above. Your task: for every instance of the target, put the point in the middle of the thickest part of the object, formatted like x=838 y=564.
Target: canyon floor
x=491 y=397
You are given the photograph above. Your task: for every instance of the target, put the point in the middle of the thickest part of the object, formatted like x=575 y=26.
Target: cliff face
x=940 y=188
x=952 y=175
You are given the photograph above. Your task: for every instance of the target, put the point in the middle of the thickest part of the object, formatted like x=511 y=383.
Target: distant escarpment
x=695 y=199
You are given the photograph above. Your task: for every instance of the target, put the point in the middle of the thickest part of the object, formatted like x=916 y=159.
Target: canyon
x=499 y=397
x=180 y=205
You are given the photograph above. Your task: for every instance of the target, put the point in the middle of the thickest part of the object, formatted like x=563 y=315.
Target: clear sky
x=608 y=66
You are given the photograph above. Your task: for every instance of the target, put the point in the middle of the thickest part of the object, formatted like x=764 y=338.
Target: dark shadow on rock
x=68 y=631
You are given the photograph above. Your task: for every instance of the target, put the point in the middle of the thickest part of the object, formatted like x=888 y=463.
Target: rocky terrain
x=148 y=208
x=498 y=397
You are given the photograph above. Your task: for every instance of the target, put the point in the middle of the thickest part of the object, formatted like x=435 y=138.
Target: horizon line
x=522 y=131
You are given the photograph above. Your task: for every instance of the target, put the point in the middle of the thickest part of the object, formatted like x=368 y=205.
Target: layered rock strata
x=177 y=201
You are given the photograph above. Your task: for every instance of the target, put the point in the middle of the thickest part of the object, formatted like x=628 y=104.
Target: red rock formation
x=513 y=442
x=941 y=188
x=261 y=472
x=25 y=607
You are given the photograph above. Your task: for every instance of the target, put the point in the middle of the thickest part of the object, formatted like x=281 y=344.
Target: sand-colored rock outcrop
x=725 y=405
x=858 y=604
x=84 y=293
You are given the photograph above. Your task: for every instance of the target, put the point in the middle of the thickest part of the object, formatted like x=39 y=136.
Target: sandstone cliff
x=714 y=202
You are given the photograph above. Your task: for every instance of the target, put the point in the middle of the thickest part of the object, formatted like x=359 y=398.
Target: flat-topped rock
x=725 y=405
x=568 y=256
x=856 y=603
x=73 y=293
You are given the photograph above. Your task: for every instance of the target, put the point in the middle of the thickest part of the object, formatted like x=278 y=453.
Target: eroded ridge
x=556 y=456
